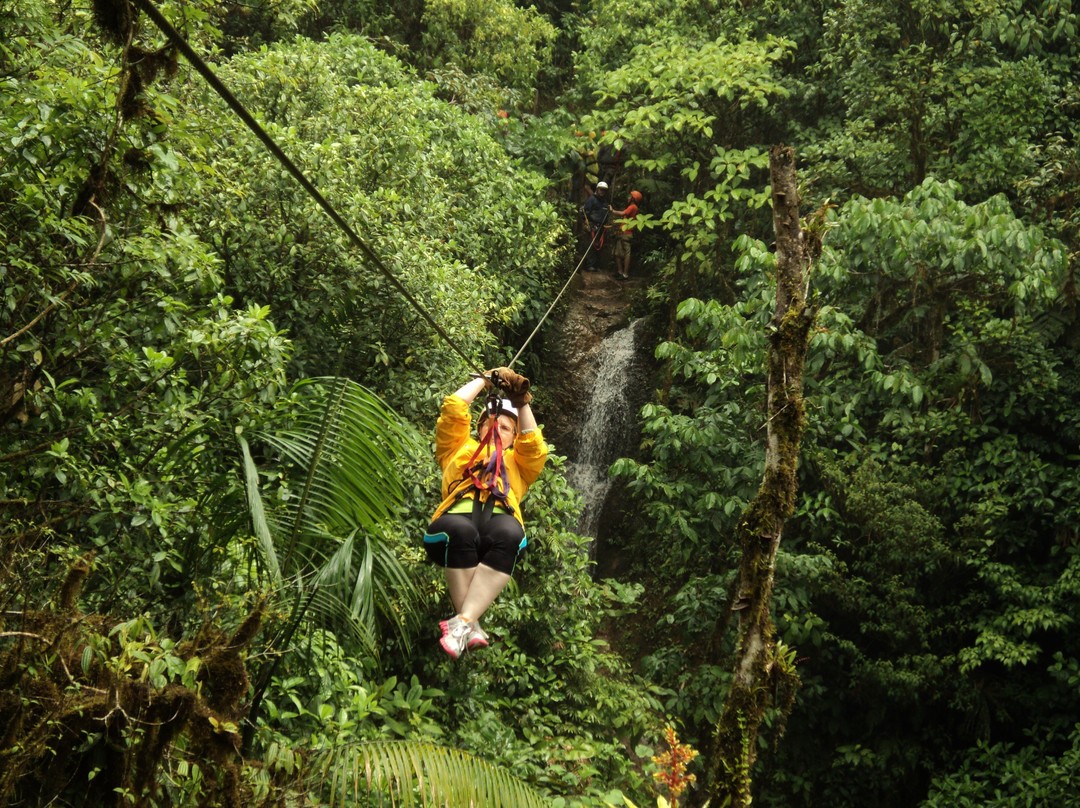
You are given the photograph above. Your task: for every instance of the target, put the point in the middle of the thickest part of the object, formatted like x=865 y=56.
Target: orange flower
x=502 y=113
x=673 y=763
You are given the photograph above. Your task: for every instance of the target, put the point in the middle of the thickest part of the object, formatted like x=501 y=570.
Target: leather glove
x=515 y=385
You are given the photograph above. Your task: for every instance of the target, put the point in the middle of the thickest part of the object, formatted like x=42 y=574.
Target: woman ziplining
x=479 y=545
x=477 y=533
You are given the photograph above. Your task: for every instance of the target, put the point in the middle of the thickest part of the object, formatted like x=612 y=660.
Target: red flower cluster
x=673 y=765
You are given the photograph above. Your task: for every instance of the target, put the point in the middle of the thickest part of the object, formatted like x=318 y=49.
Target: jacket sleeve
x=452 y=429
x=530 y=454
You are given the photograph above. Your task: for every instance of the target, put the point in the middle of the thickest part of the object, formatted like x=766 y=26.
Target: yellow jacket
x=454 y=445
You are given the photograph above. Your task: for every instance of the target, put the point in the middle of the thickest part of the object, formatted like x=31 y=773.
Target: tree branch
x=757 y=664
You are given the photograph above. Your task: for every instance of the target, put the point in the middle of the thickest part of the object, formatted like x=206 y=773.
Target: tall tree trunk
x=764 y=675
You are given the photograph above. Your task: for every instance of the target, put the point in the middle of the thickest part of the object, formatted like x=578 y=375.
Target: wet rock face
x=597 y=305
x=594 y=352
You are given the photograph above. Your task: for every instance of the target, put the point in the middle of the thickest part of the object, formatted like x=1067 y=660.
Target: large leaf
x=331 y=538
x=268 y=553
x=408 y=773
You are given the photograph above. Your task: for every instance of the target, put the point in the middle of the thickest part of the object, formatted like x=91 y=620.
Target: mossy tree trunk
x=764 y=675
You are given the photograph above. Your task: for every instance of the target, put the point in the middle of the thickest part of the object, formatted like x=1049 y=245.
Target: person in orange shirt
x=477 y=533
x=622 y=238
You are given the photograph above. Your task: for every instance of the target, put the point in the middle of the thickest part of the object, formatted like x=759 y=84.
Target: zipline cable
x=219 y=87
x=204 y=70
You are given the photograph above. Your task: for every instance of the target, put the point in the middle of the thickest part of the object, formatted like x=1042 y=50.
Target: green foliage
x=443 y=776
x=430 y=192
x=93 y=709
x=950 y=297
x=677 y=108
x=327 y=696
x=667 y=91
x=490 y=37
x=955 y=297
x=697 y=468
x=323 y=540
x=124 y=366
x=951 y=471
x=253 y=25
x=537 y=141
x=609 y=31
x=961 y=90
x=395 y=24
x=879 y=606
x=904 y=577
x=1042 y=772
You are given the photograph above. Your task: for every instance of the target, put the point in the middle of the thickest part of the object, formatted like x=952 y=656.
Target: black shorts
x=454 y=541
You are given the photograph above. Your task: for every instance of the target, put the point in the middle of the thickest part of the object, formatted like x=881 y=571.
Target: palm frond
x=259 y=524
x=413 y=773
x=333 y=535
x=350 y=444
x=326 y=423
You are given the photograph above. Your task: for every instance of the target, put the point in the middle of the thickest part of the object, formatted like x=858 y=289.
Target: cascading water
x=608 y=420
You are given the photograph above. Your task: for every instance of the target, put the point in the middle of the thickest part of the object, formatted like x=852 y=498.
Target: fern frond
x=412 y=773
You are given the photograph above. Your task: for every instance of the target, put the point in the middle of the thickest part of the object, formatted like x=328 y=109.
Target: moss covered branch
x=760 y=666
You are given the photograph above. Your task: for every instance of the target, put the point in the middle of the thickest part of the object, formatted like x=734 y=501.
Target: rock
x=597 y=305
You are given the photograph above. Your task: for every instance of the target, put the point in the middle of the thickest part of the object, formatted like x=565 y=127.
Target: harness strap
x=487 y=475
x=482 y=511
x=491 y=475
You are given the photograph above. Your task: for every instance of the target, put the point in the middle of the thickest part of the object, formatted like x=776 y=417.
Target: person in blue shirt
x=596 y=210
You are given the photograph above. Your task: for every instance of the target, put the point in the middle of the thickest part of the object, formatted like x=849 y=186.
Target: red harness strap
x=490 y=475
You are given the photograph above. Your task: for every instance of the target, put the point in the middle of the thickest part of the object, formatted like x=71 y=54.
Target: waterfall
x=608 y=423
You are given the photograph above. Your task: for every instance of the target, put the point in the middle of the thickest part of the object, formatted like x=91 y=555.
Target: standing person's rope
x=556 y=300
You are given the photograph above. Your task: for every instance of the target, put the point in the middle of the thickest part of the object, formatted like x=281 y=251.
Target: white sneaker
x=477 y=637
x=455 y=632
